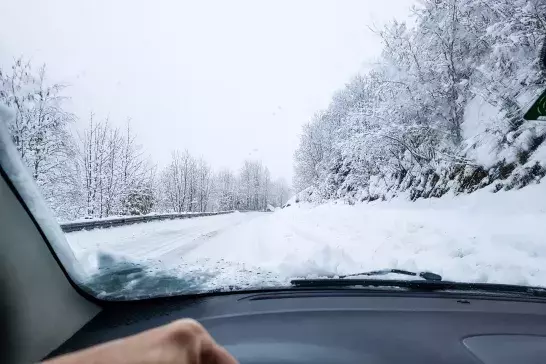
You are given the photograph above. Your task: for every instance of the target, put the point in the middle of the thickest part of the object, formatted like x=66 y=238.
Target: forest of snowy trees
x=104 y=171
x=442 y=110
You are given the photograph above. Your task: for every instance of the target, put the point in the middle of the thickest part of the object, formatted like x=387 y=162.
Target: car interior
x=46 y=313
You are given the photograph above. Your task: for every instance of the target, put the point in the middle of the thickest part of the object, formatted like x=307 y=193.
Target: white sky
x=227 y=80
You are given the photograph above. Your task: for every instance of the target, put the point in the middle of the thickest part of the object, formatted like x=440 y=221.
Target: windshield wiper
x=428 y=276
x=421 y=285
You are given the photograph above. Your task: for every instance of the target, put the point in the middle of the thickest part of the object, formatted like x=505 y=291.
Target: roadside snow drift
x=481 y=237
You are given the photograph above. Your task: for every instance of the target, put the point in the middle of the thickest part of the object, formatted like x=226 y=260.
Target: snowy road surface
x=480 y=237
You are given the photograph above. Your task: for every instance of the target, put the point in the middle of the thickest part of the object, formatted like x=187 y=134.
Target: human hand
x=181 y=342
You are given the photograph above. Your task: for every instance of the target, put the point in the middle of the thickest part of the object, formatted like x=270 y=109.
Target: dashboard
x=342 y=326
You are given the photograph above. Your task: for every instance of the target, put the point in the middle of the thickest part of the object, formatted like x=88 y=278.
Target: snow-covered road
x=157 y=240
x=481 y=237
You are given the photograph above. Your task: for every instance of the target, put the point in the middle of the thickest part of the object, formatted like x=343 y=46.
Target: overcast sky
x=227 y=80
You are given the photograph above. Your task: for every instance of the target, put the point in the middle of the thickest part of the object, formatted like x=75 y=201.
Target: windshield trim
x=11 y=166
x=309 y=292
x=79 y=289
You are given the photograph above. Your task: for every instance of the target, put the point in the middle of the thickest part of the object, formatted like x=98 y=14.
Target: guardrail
x=128 y=220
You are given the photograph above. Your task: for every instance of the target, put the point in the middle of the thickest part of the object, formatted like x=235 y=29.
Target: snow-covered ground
x=481 y=237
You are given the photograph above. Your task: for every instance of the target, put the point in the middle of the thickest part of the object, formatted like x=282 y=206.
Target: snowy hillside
x=441 y=111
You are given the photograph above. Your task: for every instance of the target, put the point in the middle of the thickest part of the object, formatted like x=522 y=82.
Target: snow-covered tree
x=401 y=124
x=117 y=179
x=40 y=132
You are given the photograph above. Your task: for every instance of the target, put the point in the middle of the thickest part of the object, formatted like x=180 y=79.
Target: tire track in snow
x=152 y=241
x=178 y=253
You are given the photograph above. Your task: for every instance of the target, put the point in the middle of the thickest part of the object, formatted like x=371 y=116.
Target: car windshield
x=201 y=146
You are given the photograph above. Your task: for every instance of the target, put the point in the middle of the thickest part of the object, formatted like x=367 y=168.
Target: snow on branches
x=446 y=97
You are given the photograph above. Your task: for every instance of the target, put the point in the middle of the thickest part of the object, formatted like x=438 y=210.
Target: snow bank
x=481 y=237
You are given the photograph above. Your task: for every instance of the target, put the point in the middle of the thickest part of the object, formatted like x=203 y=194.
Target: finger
x=193 y=336
x=216 y=354
x=187 y=332
x=189 y=325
